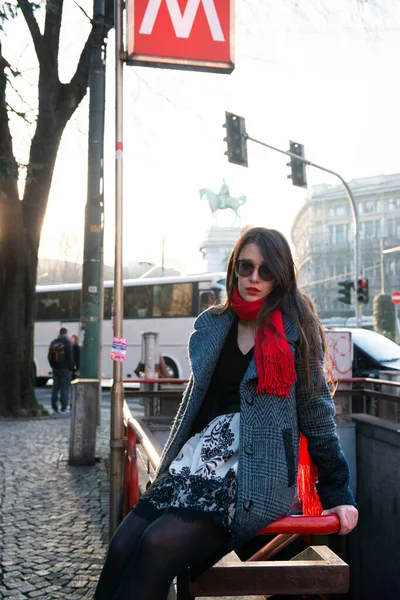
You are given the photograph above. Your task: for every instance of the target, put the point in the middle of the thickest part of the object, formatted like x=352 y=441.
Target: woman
x=229 y=465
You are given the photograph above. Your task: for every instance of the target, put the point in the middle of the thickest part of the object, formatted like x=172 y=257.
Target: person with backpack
x=61 y=361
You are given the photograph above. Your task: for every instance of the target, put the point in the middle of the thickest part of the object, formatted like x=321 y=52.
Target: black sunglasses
x=245 y=268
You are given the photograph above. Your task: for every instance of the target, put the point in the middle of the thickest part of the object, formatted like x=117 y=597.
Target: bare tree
x=21 y=218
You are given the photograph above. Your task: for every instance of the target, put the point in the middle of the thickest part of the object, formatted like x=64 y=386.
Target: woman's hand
x=348 y=515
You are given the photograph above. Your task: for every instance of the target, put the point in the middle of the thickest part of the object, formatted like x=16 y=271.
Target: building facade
x=323 y=237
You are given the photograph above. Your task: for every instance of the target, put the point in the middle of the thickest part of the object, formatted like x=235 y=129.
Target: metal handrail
x=369 y=380
x=132 y=423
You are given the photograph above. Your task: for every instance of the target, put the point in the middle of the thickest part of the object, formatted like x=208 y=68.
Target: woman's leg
x=167 y=547
x=120 y=552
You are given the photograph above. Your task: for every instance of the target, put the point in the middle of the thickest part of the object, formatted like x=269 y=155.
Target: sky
x=325 y=77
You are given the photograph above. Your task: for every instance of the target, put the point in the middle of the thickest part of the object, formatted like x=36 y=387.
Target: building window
x=378 y=228
x=394 y=228
x=397 y=203
x=369 y=229
x=339 y=267
x=369 y=206
x=377 y=205
x=340 y=234
x=391 y=204
x=331 y=234
x=360 y=208
x=340 y=210
x=331 y=211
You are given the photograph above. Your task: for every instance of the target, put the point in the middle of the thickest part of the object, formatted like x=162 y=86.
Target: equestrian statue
x=222 y=200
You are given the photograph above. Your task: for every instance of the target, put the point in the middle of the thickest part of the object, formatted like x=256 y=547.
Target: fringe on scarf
x=306 y=479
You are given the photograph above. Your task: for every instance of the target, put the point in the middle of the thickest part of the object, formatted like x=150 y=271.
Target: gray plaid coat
x=269 y=434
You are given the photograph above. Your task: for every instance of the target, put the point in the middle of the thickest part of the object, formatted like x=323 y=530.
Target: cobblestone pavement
x=53 y=517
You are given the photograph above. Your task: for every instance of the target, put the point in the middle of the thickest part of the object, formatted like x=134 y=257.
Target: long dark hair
x=285 y=296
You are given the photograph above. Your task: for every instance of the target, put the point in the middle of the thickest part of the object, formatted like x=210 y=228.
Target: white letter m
x=183 y=23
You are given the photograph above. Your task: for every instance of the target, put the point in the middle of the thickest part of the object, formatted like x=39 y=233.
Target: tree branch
x=27 y=10
x=73 y=92
x=8 y=164
x=52 y=27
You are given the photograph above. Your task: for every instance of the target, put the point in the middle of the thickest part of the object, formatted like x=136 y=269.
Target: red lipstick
x=252 y=291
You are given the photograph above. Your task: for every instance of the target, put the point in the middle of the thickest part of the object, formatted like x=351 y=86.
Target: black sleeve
x=77 y=354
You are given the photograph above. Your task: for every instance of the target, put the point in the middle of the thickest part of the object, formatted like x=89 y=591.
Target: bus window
x=108 y=301
x=207 y=299
x=76 y=305
x=137 y=302
x=54 y=306
x=173 y=300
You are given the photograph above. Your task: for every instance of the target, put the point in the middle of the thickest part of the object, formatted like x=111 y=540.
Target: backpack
x=57 y=356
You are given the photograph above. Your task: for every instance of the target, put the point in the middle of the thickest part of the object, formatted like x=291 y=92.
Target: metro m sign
x=181 y=34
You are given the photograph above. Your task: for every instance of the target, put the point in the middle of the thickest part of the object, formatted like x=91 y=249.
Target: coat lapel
x=206 y=342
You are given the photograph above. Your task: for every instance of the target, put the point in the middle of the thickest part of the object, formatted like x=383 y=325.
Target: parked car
x=372 y=352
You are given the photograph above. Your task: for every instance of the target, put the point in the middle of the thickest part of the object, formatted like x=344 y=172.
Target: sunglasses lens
x=265 y=273
x=245 y=268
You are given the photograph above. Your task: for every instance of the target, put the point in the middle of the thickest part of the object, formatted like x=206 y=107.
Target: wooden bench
x=315 y=570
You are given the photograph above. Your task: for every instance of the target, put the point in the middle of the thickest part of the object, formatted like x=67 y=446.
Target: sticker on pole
x=118 y=351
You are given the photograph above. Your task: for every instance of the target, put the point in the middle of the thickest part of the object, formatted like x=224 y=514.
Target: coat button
x=250 y=400
x=249 y=449
x=248 y=505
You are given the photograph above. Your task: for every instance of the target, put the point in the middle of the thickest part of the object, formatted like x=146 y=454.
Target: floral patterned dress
x=202 y=480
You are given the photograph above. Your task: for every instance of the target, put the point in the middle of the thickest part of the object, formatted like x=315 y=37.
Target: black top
x=76 y=353
x=223 y=394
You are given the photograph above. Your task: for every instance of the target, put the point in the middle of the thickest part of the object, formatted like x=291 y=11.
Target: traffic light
x=344 y=292
x=298 y=168
x=362 y=291
x=236 y=139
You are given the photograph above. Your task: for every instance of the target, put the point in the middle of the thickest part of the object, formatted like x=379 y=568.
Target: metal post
x=150 y=359
x=382 y=268
x=92 y=272
x=117 y=390
x=357 y=258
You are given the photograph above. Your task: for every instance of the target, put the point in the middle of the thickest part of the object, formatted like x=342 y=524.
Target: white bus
x=167 y=305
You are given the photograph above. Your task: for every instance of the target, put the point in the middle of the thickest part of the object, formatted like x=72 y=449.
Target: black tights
x=143 y=558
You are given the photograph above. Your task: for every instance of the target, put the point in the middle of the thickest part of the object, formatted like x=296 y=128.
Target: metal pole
x=382 y=269
x=151 y=358
x=117 y=390
x=357 y=258
x=92 y=272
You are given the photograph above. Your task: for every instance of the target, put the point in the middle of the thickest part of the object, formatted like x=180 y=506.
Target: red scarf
x=276 y=374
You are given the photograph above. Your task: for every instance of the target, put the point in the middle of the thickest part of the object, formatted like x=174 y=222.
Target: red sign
x=181 y=34
x=396 y=297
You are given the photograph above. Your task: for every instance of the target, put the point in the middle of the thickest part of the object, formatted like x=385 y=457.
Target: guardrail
x=374 y=401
